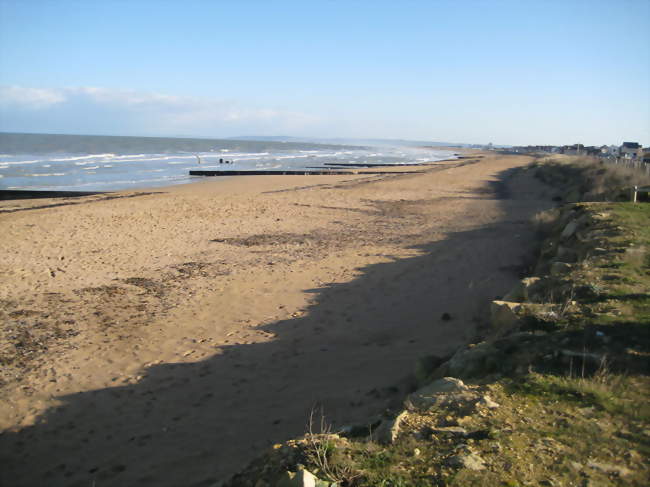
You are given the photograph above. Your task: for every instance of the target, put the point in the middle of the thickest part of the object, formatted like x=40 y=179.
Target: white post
x=634 y=194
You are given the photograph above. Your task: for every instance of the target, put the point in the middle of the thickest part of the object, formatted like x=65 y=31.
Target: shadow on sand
x=191 y=424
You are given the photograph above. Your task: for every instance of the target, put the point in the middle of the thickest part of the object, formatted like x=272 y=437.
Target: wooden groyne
x=292 y=173
x=28 y=194
x=373 y=164
x=266 y=173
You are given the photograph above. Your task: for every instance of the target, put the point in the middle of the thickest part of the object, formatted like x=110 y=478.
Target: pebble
x=609 y=469
x=470 y=461
x=488 y=403
x=449 y=430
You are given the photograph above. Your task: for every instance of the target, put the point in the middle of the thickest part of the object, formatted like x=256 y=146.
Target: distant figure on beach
x=220 y=161
x=198 y=159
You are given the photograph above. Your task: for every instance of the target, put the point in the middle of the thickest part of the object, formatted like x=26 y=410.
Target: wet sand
x=166 y=337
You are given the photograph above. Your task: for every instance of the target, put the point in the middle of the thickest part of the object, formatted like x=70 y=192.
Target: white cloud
x=31 y=98
x=111 y=110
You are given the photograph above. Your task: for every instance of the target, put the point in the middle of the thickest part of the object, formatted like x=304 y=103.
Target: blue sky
x=508 y=72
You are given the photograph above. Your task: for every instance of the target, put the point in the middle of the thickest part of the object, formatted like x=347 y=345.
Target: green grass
x=614 y=393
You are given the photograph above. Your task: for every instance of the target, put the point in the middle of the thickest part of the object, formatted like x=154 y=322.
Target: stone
x=560 y=268
x=470 y=461
x=504 y=316
x=450 y=431
x=532 y=286
x=569 y=230
x=566 y=254
x=573 y=196
x=576 y=466
x=479 y=359
x=441 y=392
x=609 y=469
x=388 y=431
x=547 y=483
x=425 y=366
x=516 y=294
x=567 y=216
x=549 y=445
x=582 y=357
x=302 y=478
x=488 y=403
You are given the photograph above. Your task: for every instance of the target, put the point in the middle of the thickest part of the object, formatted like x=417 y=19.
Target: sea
x=104 y=163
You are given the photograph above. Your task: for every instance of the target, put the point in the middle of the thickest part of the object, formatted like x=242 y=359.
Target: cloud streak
x=104 y=110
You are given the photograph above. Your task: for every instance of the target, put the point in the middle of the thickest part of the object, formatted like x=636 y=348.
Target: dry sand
x=166 y=337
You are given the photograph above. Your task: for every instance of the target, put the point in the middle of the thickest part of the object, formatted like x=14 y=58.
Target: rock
x=445 y=317
x=504 y=316
x=560 y=268
x=362 y=429
x=566 y=254
x=516 y=294
x=576 y=466
x=442 y=392
x=567 y=216
x=479 y=359
x=302 y=478
x=573 y=196
x=569 y=230
x=388 y=431
x=450 y=431
x=609 y=469
x=425 y=366
x=470 y=461
x=583 y=357
x=547 y=483
x=549 y=445
x=531 y=286
x=488 y=403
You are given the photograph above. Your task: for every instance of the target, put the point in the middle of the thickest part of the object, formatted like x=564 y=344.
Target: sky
x=506 y=72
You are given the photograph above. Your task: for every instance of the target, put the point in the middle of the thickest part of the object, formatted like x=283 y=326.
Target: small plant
x=565 y=305
x=323 y=453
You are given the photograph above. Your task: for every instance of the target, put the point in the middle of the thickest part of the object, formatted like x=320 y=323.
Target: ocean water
x=110 y=171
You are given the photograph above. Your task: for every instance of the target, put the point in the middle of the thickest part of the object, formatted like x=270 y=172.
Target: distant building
x=630 y=150
x=573 y=150
x=645 y=156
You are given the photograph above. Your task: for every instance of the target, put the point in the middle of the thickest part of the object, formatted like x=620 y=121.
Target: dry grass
x=594 y=178
x=323 y=452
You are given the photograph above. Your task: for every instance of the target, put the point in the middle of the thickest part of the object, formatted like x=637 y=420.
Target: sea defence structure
x=289 y=173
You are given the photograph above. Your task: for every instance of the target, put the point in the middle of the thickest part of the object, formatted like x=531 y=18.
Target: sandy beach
x=166 y=337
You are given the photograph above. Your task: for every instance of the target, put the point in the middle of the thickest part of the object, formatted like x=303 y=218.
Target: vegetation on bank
x=557 y=393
